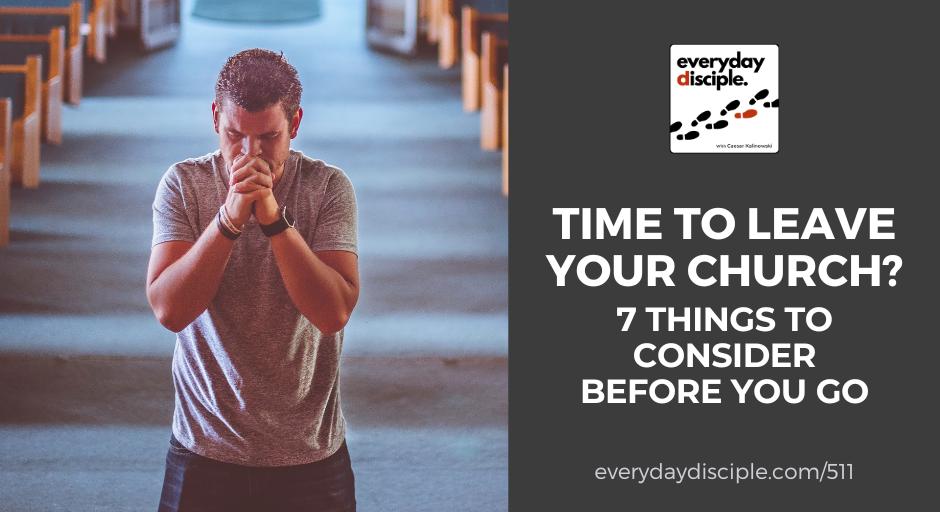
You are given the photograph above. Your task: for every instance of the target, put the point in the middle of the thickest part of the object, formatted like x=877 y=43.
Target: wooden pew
x=33 y=20
x=112 y=17
x=506 y=130
x=494 y=56
x=471 y=37
x=427 y=16
x=447 y=33
x=97 y=21
x=23 y=83
x=6 y=137
x=15 y=49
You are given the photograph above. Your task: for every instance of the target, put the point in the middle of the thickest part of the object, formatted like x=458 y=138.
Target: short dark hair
x=257 y=78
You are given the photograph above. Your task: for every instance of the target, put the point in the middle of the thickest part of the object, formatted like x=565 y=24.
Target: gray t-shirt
x=256 y=383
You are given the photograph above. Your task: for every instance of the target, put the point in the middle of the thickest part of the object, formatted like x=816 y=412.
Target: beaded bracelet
x=225 y=225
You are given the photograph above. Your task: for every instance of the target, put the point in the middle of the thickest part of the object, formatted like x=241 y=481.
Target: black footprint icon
x=689 y=136
x=701 y=117
x=731 y=106
x=674 y=127
x=718 y=125
x=774 y=104
x=759 y=96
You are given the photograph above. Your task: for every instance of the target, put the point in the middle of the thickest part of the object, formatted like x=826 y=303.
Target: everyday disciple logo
x=724 y=98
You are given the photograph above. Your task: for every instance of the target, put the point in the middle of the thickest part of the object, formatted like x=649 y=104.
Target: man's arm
x=183 y=277
x=324 y=286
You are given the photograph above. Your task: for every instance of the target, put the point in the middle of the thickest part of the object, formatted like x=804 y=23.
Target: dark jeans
x=195 y=483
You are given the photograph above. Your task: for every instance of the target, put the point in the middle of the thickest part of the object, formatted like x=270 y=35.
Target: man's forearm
x=318 y=291
x=185 y=288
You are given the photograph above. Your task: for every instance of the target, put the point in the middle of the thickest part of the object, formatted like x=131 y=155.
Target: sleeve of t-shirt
x=336 y=221
x=170 y=221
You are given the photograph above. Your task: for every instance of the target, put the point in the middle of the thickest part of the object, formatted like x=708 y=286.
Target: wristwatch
x=285 y=221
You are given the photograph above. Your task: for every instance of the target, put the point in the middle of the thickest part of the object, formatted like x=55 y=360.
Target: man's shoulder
x=315 y=168
x=316 y=174
x=195 y=165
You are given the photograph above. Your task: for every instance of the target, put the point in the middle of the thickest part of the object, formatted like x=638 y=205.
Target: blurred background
x=86 y=395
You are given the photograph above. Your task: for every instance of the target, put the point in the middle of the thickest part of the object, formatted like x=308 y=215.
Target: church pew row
x=40 y=20
x=41 y=58
x=15 y=48
x=93 y=23
x=484 y=54
x=23 y=85
x=473 y=24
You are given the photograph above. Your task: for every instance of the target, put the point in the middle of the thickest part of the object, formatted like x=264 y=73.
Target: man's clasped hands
x=251 y=191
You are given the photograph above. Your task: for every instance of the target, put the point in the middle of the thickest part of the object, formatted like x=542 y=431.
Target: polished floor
x=85 y=390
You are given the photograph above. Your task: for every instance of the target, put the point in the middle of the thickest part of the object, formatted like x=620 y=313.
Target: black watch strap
x=286 y=220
